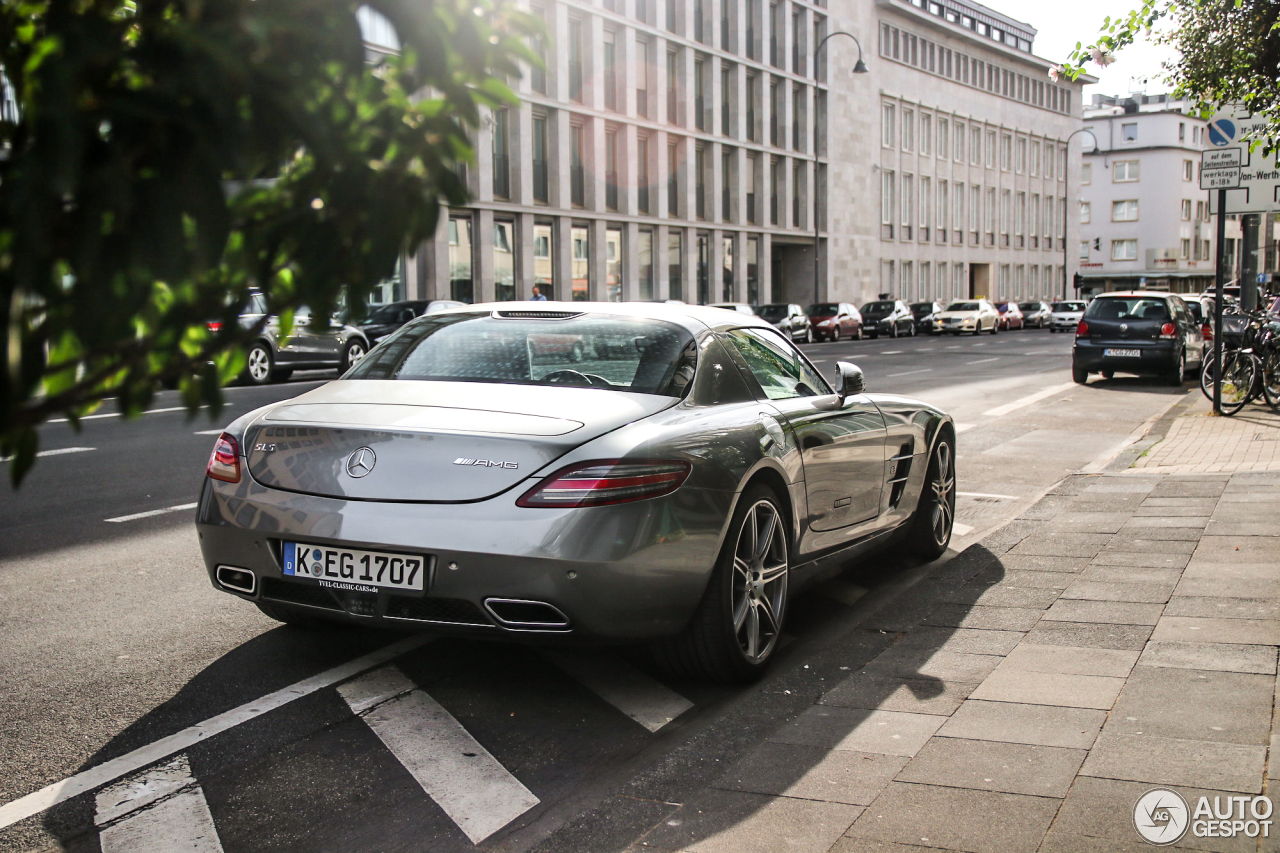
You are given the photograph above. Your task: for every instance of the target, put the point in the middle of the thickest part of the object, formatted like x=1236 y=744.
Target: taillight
x=1206 y=331
x=608 y=481
x=224 y=462
x=1168 y=330
x=213 y=327
x=1082 y=330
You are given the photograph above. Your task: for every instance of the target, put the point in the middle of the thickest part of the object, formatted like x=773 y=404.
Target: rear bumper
x=1154 y=357
x=627 y=572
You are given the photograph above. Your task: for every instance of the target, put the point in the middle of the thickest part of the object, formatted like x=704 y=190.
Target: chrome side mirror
x=851 y=381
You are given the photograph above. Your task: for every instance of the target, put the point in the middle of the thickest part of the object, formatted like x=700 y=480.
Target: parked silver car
x=274 y=357
x=677 y=485
x=1066 y=315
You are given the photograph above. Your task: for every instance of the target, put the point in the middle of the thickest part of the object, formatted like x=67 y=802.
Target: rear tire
x=1079 y=375
x=735 y=631
x=259 y=364
x=1179 y=370
x=936 y=512
x=294 y=617
x=834 y=337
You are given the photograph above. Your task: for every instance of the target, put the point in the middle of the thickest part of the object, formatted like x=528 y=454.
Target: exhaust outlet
x=237 y=580
x=526 y=615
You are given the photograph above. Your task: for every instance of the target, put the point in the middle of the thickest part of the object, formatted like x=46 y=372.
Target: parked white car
x=1066 y=315
x=973 y=316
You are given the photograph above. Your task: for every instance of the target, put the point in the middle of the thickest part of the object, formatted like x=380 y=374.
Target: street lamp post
x=859 y=68
x=1066 y=209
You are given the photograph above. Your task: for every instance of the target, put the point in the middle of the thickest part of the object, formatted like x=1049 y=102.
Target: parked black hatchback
x=1143 y=332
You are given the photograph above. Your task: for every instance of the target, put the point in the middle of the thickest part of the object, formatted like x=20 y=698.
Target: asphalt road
x=114 y=640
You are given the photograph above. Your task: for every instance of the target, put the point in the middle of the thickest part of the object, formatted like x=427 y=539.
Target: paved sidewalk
x=1121 y=635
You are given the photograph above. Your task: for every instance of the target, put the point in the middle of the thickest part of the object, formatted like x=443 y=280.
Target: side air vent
x=899 y=471
x=536 y=315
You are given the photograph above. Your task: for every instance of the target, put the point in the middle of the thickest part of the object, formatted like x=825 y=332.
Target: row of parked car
x=831 y=321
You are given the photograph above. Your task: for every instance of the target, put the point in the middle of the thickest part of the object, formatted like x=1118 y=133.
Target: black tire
x=995 y=327
x=711 y=647
x=1179 y=372
x=1239 y=380
x=294 y=617
x=1052 y=330
x=858 y=335
x=1079 y=375
x=834 y=337
x=355 y=351
x=893 y=330
x=935 y=514
x=259 y=364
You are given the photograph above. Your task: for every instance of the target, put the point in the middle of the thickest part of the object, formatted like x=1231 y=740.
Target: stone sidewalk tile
x=1251 y=528
x=908 y=662
x=1124 y=543
x=739 y=822
x=1181 y=503
x=1193 y=629
x=1201 y=705
x=1198 y=522
x=1233 y=549
x=992 y=618
x=1225 y=657
x=1001 y=595
x=1042 y=563
x=1204 y=583
x=1115 y=612
x=974 y=641
x=956 y=819
x=865 y=845
x=1142 y=560
x=1084 y=522
x=1102 y=809
x=1172 y=761
x=1157 y=533
x=1205 y=508
x=986 y=765
x=1121 y=486
x=1221 y=607
x=1106 y=573
x=1062 y=842
x=1068 y=660
x=1100 y=635
x=913 y=695
x=1061 y=545
x=1034 y=580
x=812 y=773
x=1012 y=722
x=859 y=730
x=1044 y=688
x=1130 y=591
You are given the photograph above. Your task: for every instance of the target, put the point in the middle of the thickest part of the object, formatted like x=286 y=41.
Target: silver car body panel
x=850 y=473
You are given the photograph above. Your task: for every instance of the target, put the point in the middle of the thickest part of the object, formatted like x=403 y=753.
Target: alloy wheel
x=759 y=588
x=259 y=364
x=943 y=487
x=355 y=352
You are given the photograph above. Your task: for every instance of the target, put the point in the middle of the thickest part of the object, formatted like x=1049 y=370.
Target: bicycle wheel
x=1271 y=378
x=1207 y=374
x=1239 y=375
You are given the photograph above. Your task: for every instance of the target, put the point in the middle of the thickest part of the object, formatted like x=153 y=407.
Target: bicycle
x=1246 y=375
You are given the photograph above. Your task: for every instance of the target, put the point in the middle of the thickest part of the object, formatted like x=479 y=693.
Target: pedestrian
x=537 y=294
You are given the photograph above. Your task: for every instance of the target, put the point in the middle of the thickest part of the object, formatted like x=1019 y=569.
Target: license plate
x=1122 y=353
x=353 y=570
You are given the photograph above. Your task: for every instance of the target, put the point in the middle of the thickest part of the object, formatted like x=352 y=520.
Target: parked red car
x=832 y=321
x=1010 y=316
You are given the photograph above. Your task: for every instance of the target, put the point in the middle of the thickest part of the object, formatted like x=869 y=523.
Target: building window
x=726 y=273
x=461 y=286
x=960 y=142
x=704 y=268
x=753 y=271
x=700 y=20
x=944 y=138
x=538 y=74
x=1048 y=159
x=543 y=269
x=1035 y=158
x=1186 y=210
x=642 y=174
x=1086 y=212
x=501 y=166
x=642 y=10
x=1006 y=152
x=1006 y=203
x=797 y=138
x=673 y=183
x=991 y=214
x=886 y=199
x=797 y=189
x=675 y=267
x=577 y=169
x=908 y=130
x=726 y=97
x=1084 y=250
x=1188 y=169
x=1204 y=249
x=1124 y=211
x=775 y=32
x=726 y=28
x=540 y=183
x=1185 y=251
x=1020 y=163
x=611 y=169
x=944 y=206
x=1086 y=174
x=726 y=181
x=673 y=100
x=610 y=70
x=575 y=60
x=1123 y=171
x=775 y=188
x=888 y=129
x=700 y=94
x=644 y=255
x=908 y=204
x=671 y=16
x=975 y=145
x=753 y=175
x=991 y=149
x=1124 y=250
x=926 y=205
x=700 y=179
x=613 y=265
x=504 y=261
x=1020 y=219
x=775 y=114
x=926 y=134
x=581 y=236
x=752 y=87
x=642 y=77
x=797 y=28
x=1129 y=132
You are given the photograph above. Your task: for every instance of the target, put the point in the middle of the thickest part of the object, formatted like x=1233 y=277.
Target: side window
x=257 y=304
x=717 y=381
x=778 y=366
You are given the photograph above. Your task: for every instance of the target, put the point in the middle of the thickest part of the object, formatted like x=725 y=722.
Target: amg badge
x=484 y=463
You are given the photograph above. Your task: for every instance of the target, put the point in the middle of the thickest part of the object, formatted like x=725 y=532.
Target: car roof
x=1145 y=294
x=695 y=318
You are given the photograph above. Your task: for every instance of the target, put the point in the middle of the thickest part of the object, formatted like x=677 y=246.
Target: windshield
x=1029 y=306
x=963 y=306
x=824 y=308
x=1127 y=308
x=921 y=309
x=1067 y=307
x=877 y=309
x=586 y=351
x=772 y=312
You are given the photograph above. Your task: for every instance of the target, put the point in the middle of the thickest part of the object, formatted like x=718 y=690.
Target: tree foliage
x=168 y=155
x=1228 y=52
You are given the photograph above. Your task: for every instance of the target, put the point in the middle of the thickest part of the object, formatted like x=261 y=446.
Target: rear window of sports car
x=587 y=351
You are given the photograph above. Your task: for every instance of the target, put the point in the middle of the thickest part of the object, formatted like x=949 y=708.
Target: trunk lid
x=434 y=442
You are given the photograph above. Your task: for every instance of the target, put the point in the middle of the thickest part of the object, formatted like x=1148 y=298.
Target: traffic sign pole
x=1217 y=302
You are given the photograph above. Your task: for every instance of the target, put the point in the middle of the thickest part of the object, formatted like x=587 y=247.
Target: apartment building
x=668 y=150
x=1144 y=221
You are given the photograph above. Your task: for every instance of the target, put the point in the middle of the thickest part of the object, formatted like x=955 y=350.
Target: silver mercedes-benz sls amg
x=614 y=472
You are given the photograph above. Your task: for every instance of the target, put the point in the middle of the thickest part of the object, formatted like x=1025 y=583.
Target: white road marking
x=157 y=811
x=648 y=702
x=1029 y=400
x=964 y=428
x=210 y=432
x=150 y=513
x=59 y=452
x=983 y=495
x=117 y=414
x=960 y=529
x=87 y=780
x=956 y=347
x=453 y=768
x=892 y=352
x=910 y=372
x=984 y=360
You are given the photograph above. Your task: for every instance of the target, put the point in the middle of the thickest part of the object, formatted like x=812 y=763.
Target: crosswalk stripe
x=157 y=811
x=463 y=778
x=648 y=702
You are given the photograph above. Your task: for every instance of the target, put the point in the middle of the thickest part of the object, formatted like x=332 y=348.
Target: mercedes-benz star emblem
x=1124 y=327
x=361 y=462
